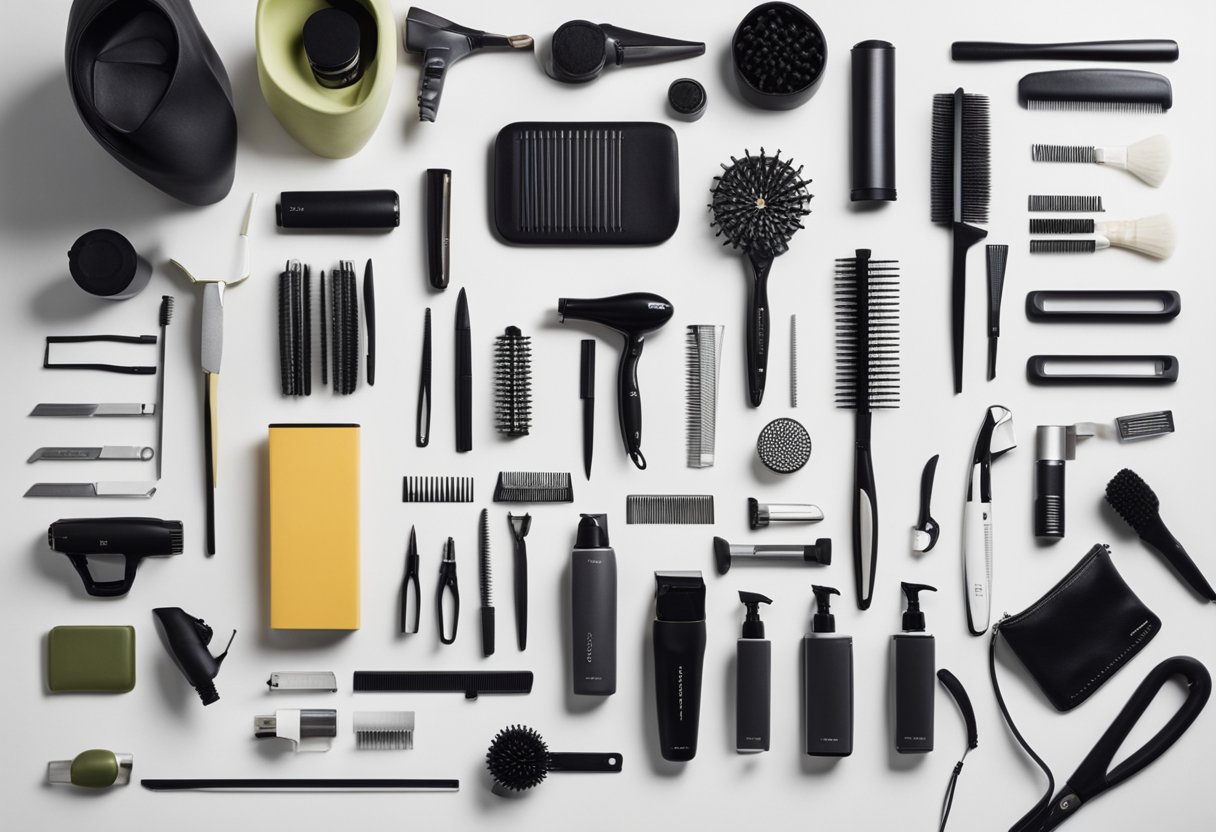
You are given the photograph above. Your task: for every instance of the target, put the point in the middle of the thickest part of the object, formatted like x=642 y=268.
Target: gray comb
x=437 y=489
x=678 y=509
x=1061 y=225
x=793 y=360
x=384 y=730
x=703 y=360
x=533 y=487
x=1064 y=204
x=1145 y=425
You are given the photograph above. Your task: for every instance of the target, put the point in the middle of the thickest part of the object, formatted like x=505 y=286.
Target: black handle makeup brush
x=758 y=203
x=1136 y=503
x=519 y=759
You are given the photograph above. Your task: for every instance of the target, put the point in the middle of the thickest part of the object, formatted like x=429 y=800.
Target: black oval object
x=579 y=50
x=105 y=264
x=687 y=98
x=331 y=42
x=779 y=54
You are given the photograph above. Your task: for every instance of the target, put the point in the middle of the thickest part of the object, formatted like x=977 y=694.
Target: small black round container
x=687 y=99
x=331 y=42
x=779 y=54
x=105 y=264
x=873 y=122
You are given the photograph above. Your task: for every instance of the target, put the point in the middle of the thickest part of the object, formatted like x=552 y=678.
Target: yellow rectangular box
x=314 y=527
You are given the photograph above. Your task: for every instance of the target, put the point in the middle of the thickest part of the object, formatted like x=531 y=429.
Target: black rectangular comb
x=471 y=682
x=1119 y=90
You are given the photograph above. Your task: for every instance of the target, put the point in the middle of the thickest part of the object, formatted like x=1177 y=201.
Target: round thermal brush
x=519 y=759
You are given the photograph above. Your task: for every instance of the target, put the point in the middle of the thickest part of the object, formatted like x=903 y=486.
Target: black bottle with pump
x=593 y=609
x=753 y=679
x=679 y=660
x=915 y=669
x=827 y=682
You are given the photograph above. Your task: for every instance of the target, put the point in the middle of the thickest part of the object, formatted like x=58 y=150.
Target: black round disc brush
x=758 y=203
x=519 y=759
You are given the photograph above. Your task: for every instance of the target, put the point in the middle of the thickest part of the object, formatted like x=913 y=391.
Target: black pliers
x=411 y=597
x=447 y=582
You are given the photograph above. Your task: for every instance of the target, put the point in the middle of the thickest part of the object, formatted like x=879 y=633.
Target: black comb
x=485 y=585
x=1119 y=90
x=469 y=682
x=423 y=489
x=1063 y=203
x=1055 y=225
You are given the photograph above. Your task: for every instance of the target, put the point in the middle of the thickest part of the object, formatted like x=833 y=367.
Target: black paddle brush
x=758 y=204
x=519 y=759
x=1136 y=503
x=959 y=191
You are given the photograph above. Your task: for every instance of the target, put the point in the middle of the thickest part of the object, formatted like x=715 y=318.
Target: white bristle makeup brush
x=1148 y=160
x=1152 y=236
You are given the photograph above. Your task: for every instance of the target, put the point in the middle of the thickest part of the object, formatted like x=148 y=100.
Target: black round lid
x=687 y=98
x=579 y=50
x=102 y=262
x=331 y=41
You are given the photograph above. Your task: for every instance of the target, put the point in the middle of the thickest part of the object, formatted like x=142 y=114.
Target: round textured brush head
x=784 y=446
x=779 y=54
x=1132 y=498
x=758 y=203
x=518 y=758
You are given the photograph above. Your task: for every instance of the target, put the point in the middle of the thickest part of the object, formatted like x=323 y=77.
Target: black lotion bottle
x=753 y=679
x=593 y=609
x=679 y=660
x=915 y=672
x=827 y=682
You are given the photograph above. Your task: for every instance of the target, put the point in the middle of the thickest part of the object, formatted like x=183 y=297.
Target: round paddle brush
x=1138 y=505
x=758 y=203
x=519 y=759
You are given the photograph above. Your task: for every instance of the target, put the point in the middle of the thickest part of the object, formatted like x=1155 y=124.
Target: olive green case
x=90 y=660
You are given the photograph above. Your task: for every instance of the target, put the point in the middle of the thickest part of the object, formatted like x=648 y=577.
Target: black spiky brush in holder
x=779 y=55
x=519 y=759
x=758 y=203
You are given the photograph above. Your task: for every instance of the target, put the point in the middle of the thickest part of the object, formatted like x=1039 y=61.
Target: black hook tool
x=447 y=581
x=924 y=535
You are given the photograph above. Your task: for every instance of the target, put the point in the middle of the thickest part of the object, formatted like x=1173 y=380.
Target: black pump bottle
x=186 y=638
x=915 y=669
x=679 y=660
x=827 y=682
x=753 y=679
x=593 y=608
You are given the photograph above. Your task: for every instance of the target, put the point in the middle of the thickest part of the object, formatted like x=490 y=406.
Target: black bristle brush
x=485 y=584
x=519 y=759
x=165 y=317
x=758 y=204
x=960 y=188
x=513 y=382
x=1136 y=503
x=867 y=379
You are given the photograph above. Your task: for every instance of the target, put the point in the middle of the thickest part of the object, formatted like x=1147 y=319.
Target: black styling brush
x=960 y=188
x=485 y=585
x=166 y=315
x=1136 y=503
x=758 y=203
x=513 y=382
x=519 y=759
x=867 y=379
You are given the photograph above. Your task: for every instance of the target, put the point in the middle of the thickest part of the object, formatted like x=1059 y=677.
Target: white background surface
x=59 y=183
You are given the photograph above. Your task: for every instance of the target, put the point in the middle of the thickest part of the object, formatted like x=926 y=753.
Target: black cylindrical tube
x=1049 y=498
x=593 y=609
x=827 y=667
x=679 y=661
x=873 y=120
x=915 y=669
x=753 y=705
x=439 y=226
x=375 y=210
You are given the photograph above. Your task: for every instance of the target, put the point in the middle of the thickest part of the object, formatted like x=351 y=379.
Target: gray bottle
x=593 y=609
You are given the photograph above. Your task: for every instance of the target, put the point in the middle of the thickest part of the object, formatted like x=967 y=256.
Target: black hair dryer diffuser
x=581 y=49
x=186 y=638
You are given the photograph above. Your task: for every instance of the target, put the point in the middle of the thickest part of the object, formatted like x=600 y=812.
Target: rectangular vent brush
x=703 y=360
x=1102 y=90
x=423 y=489
x=673 y=509
x=1145 y=425
x=384 y=730
x=533 y=487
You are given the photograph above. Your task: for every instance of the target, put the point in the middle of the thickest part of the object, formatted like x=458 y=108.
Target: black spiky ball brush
x=519 y=759
x=758 y=203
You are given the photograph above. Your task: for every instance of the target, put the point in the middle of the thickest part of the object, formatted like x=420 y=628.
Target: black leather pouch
x=1082 y=631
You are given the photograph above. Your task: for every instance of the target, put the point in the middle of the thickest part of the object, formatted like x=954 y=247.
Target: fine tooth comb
x=1102 y=90
x=867 y=379
x=1152 y=236
x=675 y=509
x=960 y=188
x=513 y=382
x=1147 y=160
x=423 y=489
x=793 y=360
x=1064 y=204
x=703 y=361
x=485 y=584
x=533 y=487
x=384 y=730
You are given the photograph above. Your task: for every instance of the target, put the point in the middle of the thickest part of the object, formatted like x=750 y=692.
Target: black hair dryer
x=186 y=639
x=632 y=315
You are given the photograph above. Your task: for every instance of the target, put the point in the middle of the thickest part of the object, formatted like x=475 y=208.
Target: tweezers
x=423 y=420
x=447 y=583
x=409 y=588
x=133 y=370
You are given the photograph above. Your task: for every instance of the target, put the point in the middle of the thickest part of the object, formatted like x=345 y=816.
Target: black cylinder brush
x=513 y=382
x=758 y=204
x=779 y=54
x=519 y=759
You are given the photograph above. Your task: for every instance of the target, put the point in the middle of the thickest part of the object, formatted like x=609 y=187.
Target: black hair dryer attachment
x=186 y=638
x=581 y=49
x=442 y=43
x=633 y=315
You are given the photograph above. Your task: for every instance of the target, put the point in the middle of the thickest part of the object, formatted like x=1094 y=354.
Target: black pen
x=586 y=392
x=464 y=376
x=423 y=420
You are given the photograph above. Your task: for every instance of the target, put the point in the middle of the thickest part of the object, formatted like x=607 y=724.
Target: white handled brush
x=1152 y=236
x=1148 y=160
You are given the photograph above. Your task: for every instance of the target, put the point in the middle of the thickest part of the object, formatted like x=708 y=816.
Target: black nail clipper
x=926 y=530
x=411 y=595
x=447 y=583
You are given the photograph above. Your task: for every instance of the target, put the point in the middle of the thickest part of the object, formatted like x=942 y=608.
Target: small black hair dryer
x=186 y=639
x=632 y=315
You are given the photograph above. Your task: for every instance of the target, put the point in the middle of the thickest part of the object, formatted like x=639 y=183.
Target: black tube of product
x=439 y=226
x=827 y=673
x=679 y=658
x=376 y=210
x=915 y=671
x=593 y=609
x=753 y=681
x=873 y=120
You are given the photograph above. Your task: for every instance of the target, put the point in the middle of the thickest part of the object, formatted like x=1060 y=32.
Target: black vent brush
x=758 y=203
x=1136 y=503
x=513 y=382
x=867 y=379
x=519 y=759
x=959 y=191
